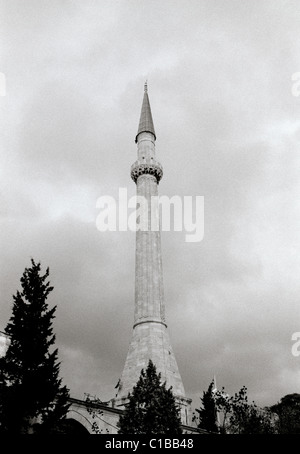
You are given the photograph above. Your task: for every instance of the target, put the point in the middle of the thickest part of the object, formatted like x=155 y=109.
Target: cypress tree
x=208 y=412
x=151 y=408
x=33 y=398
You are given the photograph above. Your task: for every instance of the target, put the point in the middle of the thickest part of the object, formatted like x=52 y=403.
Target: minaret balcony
x=148 y=167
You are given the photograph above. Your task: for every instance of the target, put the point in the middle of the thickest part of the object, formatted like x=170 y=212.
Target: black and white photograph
x=150 y=219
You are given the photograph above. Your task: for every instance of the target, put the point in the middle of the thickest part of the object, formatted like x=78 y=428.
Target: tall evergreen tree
x=151 y=408
x=33 y=398
x=208 y=412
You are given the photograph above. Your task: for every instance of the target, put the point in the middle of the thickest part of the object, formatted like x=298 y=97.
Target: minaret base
x=150 y=340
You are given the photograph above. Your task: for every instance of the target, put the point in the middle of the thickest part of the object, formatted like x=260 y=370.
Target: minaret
x=150 y=338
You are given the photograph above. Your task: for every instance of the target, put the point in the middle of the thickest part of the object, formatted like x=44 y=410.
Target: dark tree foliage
x=208 y=412
x=241 y=417
x=151 y=408
x=93 y=406
x=287 y=413
x=32 y=397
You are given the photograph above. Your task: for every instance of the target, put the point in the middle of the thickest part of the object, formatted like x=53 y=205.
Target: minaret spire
x=146 y=121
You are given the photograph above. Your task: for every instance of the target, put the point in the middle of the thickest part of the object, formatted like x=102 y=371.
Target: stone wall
x=107 y=418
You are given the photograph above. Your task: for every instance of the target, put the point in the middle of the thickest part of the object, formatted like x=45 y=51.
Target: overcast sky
x=228 y=129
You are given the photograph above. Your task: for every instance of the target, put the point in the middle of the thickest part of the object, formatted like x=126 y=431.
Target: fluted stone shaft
x=149 y=292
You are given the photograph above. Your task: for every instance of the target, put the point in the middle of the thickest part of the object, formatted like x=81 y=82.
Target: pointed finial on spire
x=146 y=86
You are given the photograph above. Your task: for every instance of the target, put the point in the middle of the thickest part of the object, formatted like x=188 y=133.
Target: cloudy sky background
x=228 y=128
